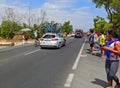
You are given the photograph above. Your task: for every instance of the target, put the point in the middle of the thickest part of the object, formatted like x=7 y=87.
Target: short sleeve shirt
x=92 y=37
x=109 y=55
x=102 y=40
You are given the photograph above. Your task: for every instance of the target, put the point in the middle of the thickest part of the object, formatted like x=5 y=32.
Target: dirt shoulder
x=7 y=42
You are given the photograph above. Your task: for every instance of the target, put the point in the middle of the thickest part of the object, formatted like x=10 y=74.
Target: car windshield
x=49 y=36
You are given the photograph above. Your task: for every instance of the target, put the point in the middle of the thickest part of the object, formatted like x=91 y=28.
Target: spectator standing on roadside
x=37 y=42
x=88 y=36
x=35 y=34
x=112 y=58
x=26 y=37
x=96 y=37
x=91 y=41
x=102 y=43
x=23 y=39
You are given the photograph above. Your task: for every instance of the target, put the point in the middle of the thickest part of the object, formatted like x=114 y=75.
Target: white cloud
x=60 y=11
x=58 y=4
x=79 y=17
x=18 y=8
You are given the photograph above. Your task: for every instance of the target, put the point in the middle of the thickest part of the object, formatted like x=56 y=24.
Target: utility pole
x=29 y=16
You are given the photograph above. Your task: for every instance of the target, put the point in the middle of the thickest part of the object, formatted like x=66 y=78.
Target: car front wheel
x=59 y=45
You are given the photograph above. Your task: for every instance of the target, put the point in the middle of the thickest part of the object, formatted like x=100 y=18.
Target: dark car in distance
x=78 y=35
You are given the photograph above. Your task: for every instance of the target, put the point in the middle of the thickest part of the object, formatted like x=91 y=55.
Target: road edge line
x=69 y=80
x=75 y=65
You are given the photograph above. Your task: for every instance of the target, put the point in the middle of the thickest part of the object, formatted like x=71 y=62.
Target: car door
x=60 y=39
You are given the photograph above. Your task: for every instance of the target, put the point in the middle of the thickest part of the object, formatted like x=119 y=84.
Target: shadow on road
x=100 y=82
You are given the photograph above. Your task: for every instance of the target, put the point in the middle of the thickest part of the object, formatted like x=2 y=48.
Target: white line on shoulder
x=69 y=80
x=78 y=57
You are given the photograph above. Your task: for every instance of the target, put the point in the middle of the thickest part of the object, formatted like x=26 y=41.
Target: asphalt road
x=31 y=67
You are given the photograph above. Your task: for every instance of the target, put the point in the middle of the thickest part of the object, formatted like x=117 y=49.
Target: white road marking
x=32 y=52
x=69 y=80
x=83 y=56
x=78 y=57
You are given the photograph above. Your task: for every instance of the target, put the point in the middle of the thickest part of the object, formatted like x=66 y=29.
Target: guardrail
x=7 y=44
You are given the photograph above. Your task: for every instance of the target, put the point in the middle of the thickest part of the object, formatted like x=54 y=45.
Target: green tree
x=101 y=24
x=112 y=8
x=4 y=31
x=8 y=29
x=107 y=4
x=67 y=27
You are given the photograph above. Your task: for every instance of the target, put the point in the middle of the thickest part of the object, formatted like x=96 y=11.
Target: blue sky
x=34 y=3
x=79 y=12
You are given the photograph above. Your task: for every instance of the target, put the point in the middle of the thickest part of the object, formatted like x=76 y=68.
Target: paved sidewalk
x=90 y=72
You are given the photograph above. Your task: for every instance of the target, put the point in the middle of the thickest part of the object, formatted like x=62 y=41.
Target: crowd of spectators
x=110 y=48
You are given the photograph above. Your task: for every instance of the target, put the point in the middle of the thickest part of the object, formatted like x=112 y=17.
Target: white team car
x=52 y=40
x=73 y=35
